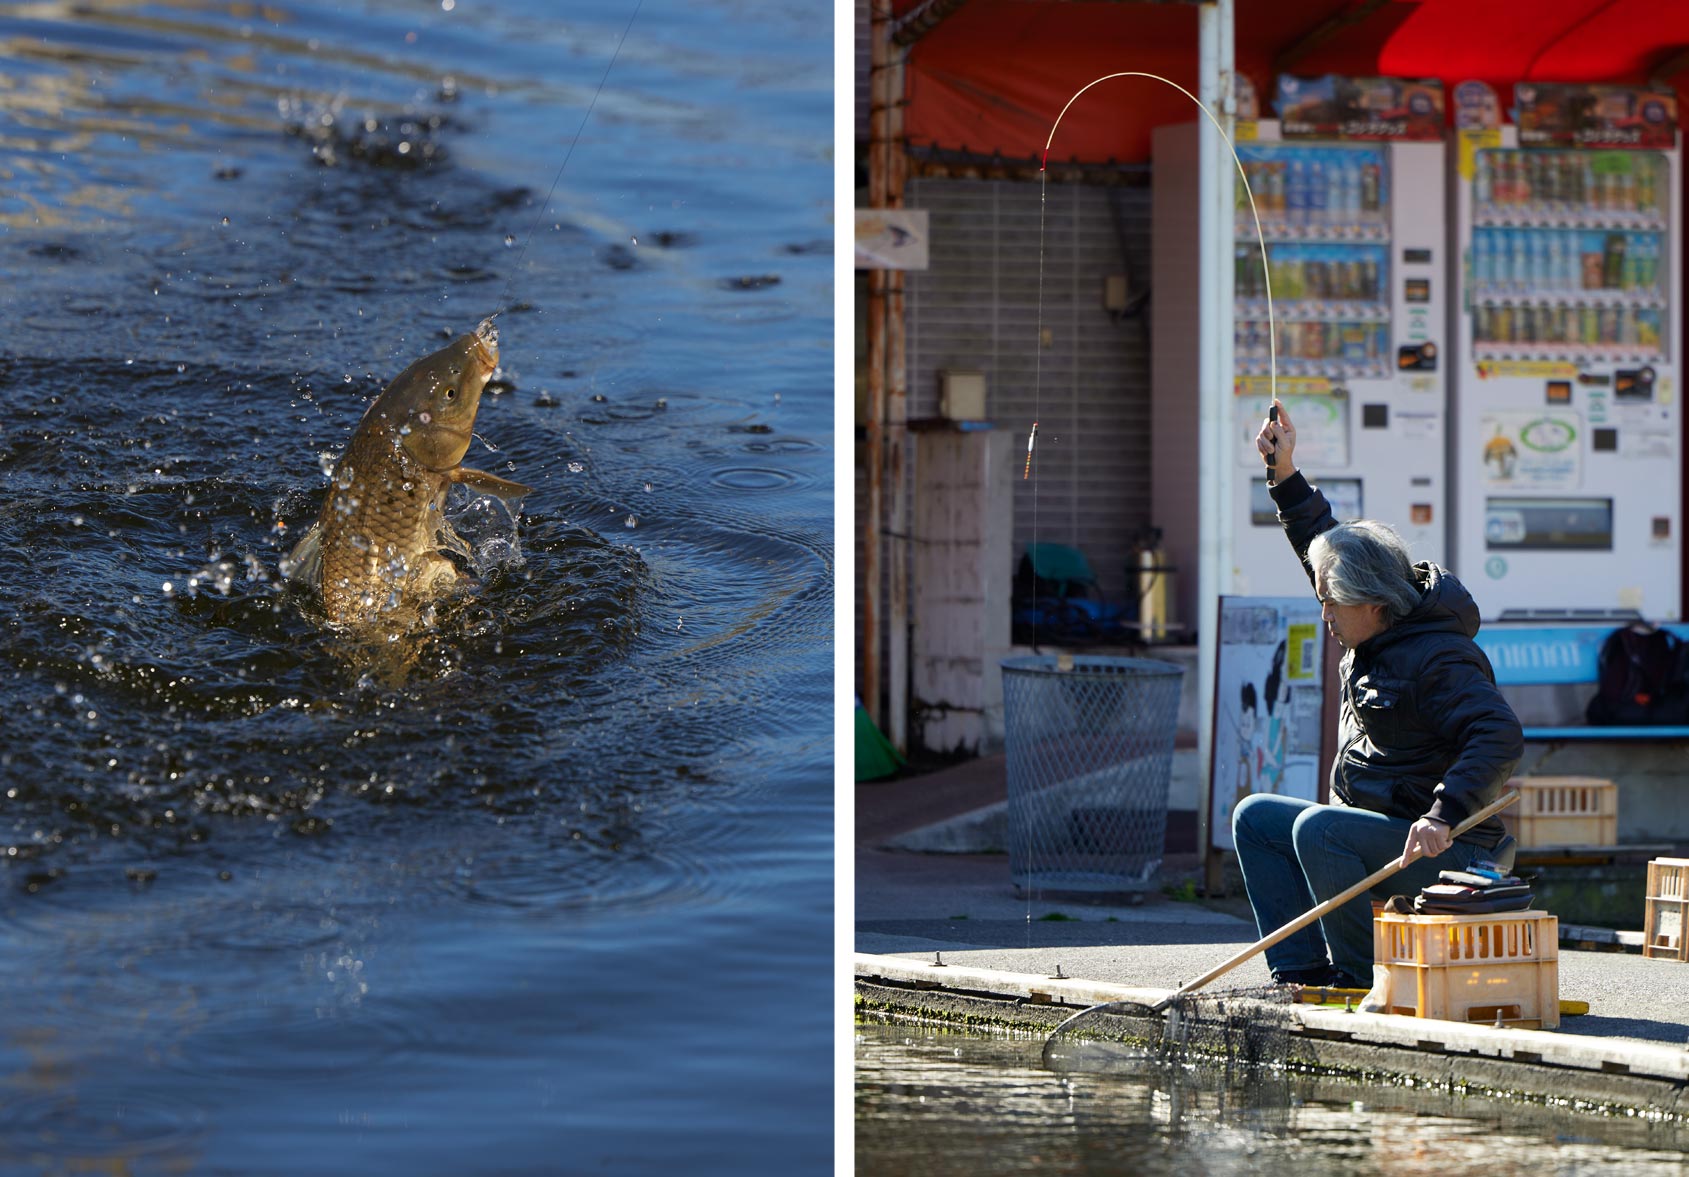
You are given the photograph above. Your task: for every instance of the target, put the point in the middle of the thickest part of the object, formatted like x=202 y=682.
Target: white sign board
x=891 y=238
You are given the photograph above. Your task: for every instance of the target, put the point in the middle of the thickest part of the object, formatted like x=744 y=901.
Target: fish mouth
x=485 y=336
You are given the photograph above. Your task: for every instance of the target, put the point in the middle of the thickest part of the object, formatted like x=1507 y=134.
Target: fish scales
x=379 y=543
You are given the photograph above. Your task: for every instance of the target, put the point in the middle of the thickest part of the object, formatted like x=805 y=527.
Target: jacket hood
x=1444 y=607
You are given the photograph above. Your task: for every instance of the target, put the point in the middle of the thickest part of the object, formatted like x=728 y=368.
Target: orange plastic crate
x=1564 y=811
x=1667 y=910
x=1471 y=968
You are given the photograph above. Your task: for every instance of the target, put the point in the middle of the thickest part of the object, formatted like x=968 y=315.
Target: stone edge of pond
x=1596 y=1075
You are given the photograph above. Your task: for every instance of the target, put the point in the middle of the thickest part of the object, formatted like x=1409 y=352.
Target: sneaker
x=1321 y=977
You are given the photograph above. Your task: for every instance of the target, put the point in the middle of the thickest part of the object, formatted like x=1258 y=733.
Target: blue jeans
x=1296 y=853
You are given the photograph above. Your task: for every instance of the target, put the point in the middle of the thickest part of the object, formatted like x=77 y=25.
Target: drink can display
x=1648 y=329
x=1612 y=266
x=1296 y=191
x=1646 y=198
x=1505 y=178
x=1353 y=342
x=1591 y=260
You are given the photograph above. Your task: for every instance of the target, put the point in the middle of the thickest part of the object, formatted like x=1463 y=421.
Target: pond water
x=935 y=1102
x=556 y=895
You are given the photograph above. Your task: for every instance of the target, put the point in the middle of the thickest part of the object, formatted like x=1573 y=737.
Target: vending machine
x=1355 y=235
x=1565 y=448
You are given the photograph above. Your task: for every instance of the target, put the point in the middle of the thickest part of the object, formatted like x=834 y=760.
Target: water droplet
x=632 y=522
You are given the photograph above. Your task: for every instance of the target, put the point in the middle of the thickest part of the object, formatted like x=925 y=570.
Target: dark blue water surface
x=549 y=890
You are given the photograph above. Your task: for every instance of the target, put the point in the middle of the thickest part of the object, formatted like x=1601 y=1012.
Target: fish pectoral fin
x=304 y=565
x=490 y=484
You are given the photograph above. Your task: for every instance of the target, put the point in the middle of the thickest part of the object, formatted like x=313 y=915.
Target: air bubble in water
x=647 y=488
x=634 y=240
x=632 y=522
x=509 y=240
x=168 y=588
x=576 y=467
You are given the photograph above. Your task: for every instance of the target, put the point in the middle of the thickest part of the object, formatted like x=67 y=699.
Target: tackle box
x=1470 y=968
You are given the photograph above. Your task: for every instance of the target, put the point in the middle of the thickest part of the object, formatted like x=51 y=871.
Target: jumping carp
x=381 y=540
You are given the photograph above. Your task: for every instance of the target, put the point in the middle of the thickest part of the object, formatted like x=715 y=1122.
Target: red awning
x=992 y=76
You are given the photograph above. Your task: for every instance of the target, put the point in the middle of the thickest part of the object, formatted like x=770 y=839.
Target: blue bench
x=1538 y=654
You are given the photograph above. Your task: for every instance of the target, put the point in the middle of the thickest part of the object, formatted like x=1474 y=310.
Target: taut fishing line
x=1038 y=365
x=549 y=192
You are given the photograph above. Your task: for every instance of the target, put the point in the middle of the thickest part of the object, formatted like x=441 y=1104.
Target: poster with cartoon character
x=1269 y=693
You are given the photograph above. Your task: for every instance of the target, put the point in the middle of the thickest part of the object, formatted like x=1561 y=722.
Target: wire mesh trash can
x=1090 y=759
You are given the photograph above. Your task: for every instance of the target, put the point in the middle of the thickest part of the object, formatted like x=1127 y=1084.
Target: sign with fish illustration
x=1270 y=702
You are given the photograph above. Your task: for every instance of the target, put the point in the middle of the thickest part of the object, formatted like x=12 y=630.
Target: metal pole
x=897 y=431
x=1214 y=377
x=874 y=459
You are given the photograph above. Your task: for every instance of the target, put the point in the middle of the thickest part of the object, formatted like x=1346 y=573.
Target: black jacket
x=1424 y=730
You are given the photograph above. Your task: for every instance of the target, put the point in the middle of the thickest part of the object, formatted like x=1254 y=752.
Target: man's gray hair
x=1365 y=563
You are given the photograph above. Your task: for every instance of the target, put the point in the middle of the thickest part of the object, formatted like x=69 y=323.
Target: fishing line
x=1038 y=361
x=549 y=192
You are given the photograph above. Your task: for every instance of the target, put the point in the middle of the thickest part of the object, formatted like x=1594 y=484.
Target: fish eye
x=451 y=393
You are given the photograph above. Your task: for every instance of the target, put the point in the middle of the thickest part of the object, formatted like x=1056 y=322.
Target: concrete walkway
x=912 y=905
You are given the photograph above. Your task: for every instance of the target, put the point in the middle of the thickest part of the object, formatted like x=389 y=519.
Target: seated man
x=1425 y=738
